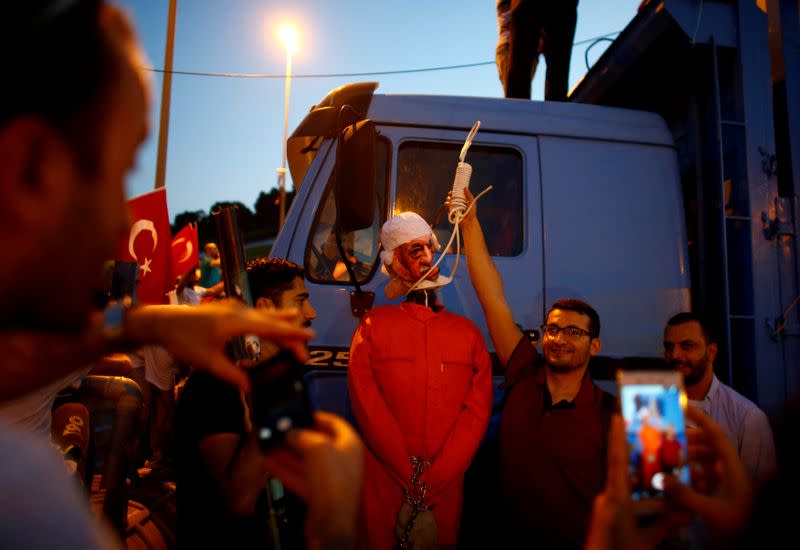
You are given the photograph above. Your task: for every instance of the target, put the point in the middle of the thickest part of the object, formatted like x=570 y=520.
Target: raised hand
x=324 y=467
x=199 y=335
x=725 y=498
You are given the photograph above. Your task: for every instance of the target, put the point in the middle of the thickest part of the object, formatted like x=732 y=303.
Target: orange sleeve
x=453 y=458
x=378 y=426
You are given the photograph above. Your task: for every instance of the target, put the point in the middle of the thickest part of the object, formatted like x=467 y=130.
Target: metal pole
x=166 y=92
x=282 y=171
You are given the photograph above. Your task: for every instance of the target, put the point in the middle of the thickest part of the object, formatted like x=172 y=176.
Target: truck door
x=615 y=237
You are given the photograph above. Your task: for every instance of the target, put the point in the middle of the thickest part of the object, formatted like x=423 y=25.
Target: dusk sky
x=225 y=133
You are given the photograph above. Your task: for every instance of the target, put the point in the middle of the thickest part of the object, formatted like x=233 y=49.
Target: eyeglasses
x=572 y=333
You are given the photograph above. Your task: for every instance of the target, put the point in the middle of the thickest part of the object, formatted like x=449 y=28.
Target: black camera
x=279 y=397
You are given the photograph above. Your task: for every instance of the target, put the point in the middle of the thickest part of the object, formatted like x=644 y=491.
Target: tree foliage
x=255 y=225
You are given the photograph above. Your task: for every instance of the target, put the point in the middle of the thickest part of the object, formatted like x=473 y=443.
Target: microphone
x=70 y=427
x=70 y=432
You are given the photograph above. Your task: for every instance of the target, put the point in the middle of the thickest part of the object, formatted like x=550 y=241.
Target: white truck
x=586 y=202
x=668 y=182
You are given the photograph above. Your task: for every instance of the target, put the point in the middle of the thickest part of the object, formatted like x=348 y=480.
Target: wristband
x=114 y=320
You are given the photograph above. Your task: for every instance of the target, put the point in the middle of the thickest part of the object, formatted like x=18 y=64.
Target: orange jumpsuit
x=651 y=443
x=421 y=385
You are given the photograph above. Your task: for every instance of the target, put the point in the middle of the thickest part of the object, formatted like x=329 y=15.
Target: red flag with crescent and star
x=148 y=244
x=185 y=255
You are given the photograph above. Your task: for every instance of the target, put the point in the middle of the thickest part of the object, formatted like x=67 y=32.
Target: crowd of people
x=419 y=376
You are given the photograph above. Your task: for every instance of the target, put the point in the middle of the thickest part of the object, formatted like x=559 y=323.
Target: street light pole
x=289 y=38
x=166 y=93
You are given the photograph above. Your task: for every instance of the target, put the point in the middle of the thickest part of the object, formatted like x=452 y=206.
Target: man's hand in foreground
x=726 y=500
x=199 y=335
x=424 y=534
x=614 y=523
x=324 y=467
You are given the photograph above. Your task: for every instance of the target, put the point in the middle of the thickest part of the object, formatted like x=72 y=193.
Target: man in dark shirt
x=210 y=410
x=222 y=478
x=555 y=419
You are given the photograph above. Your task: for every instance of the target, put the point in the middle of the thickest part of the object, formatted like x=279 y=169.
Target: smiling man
x=690 y=349
x=420 y=383
x=555 y=419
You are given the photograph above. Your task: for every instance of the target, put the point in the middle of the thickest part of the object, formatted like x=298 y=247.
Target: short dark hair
x=61 y=66
x=687 y=317
x=269 y=277
x=573 y=304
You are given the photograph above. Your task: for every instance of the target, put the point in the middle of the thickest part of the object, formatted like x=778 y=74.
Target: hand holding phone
x=653 y=405
x=279 y=397
x=725 y=505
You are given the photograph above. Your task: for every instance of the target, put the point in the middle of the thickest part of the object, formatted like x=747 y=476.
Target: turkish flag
x=148 y=244
x=185 y=254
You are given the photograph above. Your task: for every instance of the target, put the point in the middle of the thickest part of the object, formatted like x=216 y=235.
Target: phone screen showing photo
x=656 y=435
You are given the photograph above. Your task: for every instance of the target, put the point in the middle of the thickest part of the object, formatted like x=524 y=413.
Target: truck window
x=323 y=262
x=425 y=172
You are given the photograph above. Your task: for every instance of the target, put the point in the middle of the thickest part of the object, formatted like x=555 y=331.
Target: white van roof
x=521 y=116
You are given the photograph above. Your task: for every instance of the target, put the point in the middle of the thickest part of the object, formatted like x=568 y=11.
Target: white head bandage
x=403 y=228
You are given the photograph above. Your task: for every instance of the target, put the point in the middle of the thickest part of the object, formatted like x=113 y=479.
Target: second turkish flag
x=185 y=254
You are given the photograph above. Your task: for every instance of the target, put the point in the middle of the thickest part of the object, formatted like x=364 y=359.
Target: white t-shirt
x=32 y=413
x=42 y=507
x=747 y=427
x=158 y=366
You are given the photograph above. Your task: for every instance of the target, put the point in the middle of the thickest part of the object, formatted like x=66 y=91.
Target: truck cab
x=586 y=203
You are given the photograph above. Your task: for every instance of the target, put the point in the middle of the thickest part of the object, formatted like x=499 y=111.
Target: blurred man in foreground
x=71 y=122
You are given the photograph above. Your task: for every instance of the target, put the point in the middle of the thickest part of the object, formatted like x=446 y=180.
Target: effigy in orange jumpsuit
x=421 y=387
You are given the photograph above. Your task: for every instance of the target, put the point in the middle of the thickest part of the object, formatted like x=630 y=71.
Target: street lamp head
x=288 y=36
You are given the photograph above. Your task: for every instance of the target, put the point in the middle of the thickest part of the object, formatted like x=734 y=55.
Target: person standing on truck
x=503 y=39
x=689 y=348
x=421 y=389
x=539 y=26
x=555 y=419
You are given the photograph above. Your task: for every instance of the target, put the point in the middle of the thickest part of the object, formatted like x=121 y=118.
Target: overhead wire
x=350 y=75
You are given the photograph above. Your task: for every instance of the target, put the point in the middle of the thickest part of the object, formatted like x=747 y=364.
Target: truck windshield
x=323 y=262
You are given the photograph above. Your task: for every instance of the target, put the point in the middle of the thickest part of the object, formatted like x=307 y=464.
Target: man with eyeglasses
x=555 y=419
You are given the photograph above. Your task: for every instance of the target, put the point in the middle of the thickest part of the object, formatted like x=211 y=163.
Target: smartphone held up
x=653 y=405
x=280 y=399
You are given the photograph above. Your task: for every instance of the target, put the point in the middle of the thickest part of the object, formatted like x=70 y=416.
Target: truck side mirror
x=355 y=180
